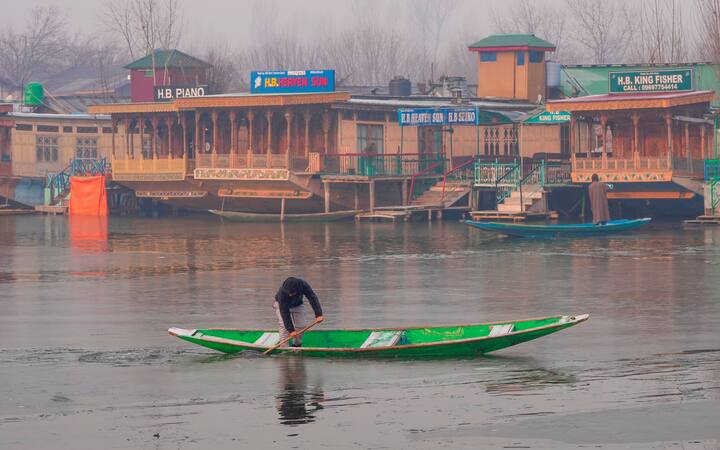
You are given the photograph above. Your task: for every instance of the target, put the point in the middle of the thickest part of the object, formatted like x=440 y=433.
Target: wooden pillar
x=169 y=127
x=326 y=187
x=668 y=125
x=635 y=118
x=703 y=150
x=688 y=151
x=326 y=129
x=142 y=137
x=233 y=133
x=250 y=119
x=288 y=122
x=128 y=137
x=307 y=116
x=603 y=124
x=282 y=209
x=372 y=195
x=215 y=132
x=268 y=118
x=198 y=132
x=153 y=144
x=183 y=126
x=357 y=197
x=404 y=192
x=113 y=124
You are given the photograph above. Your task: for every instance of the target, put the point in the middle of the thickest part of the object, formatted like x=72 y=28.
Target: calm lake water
x=86 y=362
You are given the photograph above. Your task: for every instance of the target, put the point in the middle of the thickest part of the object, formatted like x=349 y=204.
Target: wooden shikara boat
x=560 y=230
x=431 y=341
x=235 y=216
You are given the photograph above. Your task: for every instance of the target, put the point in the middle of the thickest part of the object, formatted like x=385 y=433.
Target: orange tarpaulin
x=88 y=196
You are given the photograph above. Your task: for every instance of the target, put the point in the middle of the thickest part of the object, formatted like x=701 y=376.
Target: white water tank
x=552 y=73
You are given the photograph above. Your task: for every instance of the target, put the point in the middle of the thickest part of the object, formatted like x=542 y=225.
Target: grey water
x=86 y=362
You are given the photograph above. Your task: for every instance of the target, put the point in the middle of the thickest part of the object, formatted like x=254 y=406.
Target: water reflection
x=89 y=233
x=297 y=401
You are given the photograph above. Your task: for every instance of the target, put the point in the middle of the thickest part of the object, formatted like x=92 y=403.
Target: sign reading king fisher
x=292 y=81
x=635 y=82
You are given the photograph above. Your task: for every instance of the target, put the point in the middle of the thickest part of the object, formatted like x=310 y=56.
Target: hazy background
x=366 y=41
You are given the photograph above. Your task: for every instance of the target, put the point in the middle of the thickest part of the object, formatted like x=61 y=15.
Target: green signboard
x=671 y=80
x=550 y=117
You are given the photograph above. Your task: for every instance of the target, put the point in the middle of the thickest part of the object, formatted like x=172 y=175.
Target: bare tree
x=661 y=33
x=708 y=20
x=223 y=75
x=35 y=51
x=144 y=25
x=546 y=21
x=430 y=18
x=604 y=29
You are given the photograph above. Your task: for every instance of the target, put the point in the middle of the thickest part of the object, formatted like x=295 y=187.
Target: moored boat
x=235 y=216
x=560 y=230
x=429 y=341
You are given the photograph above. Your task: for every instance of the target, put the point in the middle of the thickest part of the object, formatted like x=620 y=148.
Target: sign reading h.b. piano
x=165 y=93
x=636 y=82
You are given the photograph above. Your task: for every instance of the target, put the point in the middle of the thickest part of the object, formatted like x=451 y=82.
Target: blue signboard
x=292 y=81
x=424 y=117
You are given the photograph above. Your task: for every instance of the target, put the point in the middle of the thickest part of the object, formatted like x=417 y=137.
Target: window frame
x=488 y=56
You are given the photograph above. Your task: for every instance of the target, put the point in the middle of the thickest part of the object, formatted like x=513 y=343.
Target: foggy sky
x=213 y=20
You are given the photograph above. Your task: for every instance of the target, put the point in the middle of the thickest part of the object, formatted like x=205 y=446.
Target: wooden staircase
x=454 y=192
x=532 y=199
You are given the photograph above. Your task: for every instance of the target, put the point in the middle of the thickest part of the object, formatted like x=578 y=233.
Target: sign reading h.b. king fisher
x=671 y=80
x=292 y=82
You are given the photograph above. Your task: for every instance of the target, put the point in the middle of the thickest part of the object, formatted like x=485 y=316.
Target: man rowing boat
x=290 y=309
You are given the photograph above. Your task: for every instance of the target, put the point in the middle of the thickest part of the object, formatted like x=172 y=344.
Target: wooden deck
x=704 y=220
x=512 y=216
x=52 y=209
x=410 y=212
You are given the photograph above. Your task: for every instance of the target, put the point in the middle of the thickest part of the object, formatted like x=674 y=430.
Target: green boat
x=430 y=341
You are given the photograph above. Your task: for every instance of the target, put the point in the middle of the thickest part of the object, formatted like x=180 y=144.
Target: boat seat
x=383 y=339
x=268 y=339
x=501 y=330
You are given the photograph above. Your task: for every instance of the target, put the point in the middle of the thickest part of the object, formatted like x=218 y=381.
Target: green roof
x=512 y=40
x=167 y=58
x=581 y=80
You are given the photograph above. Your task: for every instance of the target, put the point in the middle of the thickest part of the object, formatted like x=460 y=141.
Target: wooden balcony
x=622 y=170
x=156 y=169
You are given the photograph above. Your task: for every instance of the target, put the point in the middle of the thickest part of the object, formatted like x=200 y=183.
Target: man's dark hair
x=291 y=285
x=595 y=177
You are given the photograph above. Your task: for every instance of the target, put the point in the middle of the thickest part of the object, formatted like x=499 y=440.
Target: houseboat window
x=67 y=129
x=88 y=130
x=501 y=141
x=48 y=128
x=521 y=58
x=347 y=115
x=370 y=138
x=107 y=130
x=488 y=56
x=147 y=147
x=24 y=127
x=46 y=148
x=565 y=140
x=536 y=57
x=86 y=147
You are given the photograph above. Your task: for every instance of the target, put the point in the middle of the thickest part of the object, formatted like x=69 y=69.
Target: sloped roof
x=167 y=58
x=512 y=42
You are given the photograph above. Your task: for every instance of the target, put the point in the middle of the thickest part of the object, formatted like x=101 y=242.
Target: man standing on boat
x=290 y=309
x=599 y=201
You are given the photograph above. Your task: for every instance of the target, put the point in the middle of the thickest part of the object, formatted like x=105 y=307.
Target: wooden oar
x=279 y=344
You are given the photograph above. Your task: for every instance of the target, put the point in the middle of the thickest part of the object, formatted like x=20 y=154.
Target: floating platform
x=52 y=209
x=409 y=212
x=704 y=220
x=16 y=211
x=503 y=216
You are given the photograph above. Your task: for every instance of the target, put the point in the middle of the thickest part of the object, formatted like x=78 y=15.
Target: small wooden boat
x=560 y=230
x=235 y=216
x=431 y=341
